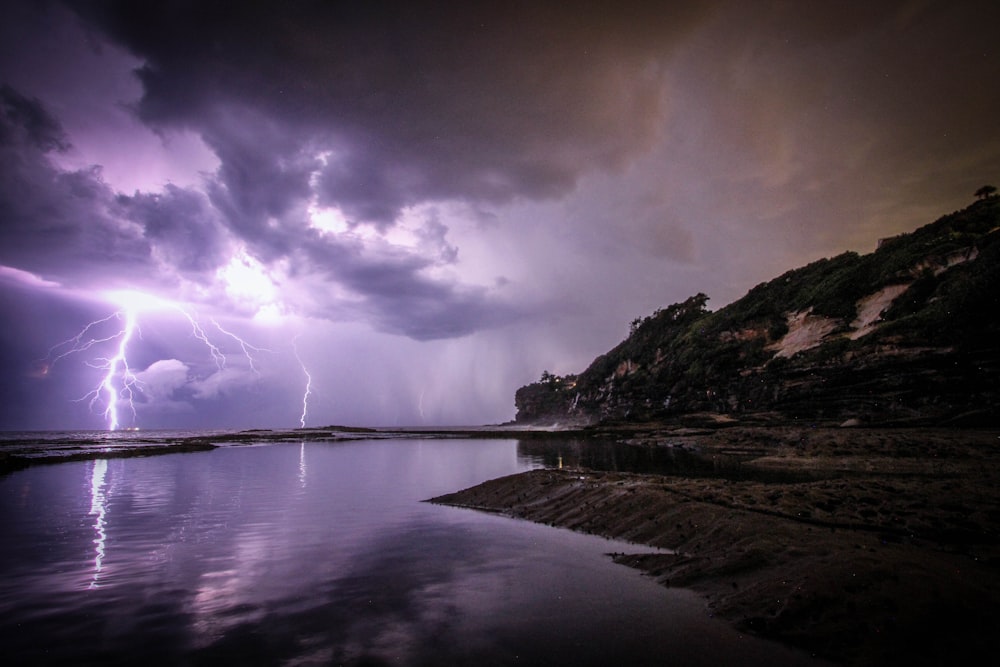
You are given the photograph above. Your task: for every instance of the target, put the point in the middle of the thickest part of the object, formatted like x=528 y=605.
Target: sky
x=267 y=215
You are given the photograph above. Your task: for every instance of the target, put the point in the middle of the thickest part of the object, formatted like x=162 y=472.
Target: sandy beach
x=868 y=546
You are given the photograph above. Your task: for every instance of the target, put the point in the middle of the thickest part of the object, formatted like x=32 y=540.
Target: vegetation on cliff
x=906 y=334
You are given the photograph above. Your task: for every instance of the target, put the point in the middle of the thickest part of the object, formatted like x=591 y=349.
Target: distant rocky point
x=906 y=335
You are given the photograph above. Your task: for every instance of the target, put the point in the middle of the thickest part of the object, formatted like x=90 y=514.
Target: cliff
x=907 y=334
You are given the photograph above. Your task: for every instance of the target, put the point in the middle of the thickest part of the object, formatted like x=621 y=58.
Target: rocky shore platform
x=862 y=546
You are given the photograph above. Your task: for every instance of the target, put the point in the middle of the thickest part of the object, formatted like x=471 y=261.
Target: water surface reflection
x=321 y=553
x=617 y=456
x=98 y=508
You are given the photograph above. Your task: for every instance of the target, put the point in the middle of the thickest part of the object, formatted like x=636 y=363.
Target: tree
x=986 y=192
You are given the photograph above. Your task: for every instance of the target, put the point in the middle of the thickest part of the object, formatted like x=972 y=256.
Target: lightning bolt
x=217 y=356
x=245 y=346
x=77 y=344
x=128 y=380
x=119 y=385
x=308 y=390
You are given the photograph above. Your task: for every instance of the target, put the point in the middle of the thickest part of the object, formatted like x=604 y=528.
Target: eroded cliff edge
x=906 y=335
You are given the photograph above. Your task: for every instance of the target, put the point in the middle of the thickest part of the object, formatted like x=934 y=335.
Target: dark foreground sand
x=889 y=554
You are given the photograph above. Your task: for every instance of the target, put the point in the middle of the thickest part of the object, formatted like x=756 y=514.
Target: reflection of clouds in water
x=267 y=583
x=222 y=600
x=399 y=600
x=350 y=569
x=447 y=593
x=250 y=570
x=233 y=588
x=405 y=599
x=395 y=587
x=99 y=508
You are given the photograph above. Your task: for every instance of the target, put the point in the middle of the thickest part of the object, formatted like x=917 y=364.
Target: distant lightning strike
x=119 y=385
x=308 y=390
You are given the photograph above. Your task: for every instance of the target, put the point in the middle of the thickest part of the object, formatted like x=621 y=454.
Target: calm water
x=321 y=553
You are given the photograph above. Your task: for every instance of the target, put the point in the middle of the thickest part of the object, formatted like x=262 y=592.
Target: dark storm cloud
x=846 y=98
x=394 y=292
x=263 y=177
x=70 y=226
x=182 y=225
x=373 y=107
x=415 y=101
x=55 y=223
x=424 y=309
x=26 y=121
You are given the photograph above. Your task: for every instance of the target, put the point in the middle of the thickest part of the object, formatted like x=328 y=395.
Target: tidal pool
x=323 y=553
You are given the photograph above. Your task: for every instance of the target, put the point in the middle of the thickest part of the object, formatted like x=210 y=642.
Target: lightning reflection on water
x=98 y=508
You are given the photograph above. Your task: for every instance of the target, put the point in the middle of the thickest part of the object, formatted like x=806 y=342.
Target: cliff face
x=907 y=334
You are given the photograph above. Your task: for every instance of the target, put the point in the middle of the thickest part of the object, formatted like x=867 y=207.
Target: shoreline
x=24 y=451
x=889 y=555
x=867 y=546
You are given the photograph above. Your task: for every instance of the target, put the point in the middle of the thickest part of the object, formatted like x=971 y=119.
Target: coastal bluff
x=907 y=335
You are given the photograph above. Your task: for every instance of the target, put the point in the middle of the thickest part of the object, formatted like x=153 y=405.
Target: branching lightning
x=119 y=386
x=308 y=390
x=127 y=381
x=78 y=344
x=118 y=383
x=199 y=333
x=245 y=346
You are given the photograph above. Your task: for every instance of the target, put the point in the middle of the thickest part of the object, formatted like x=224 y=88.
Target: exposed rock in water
x=887 y=556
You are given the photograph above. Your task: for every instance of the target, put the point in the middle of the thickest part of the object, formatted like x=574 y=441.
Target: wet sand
x=885 y=551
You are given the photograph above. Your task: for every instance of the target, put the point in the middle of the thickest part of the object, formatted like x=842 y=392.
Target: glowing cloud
x=248 y=283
